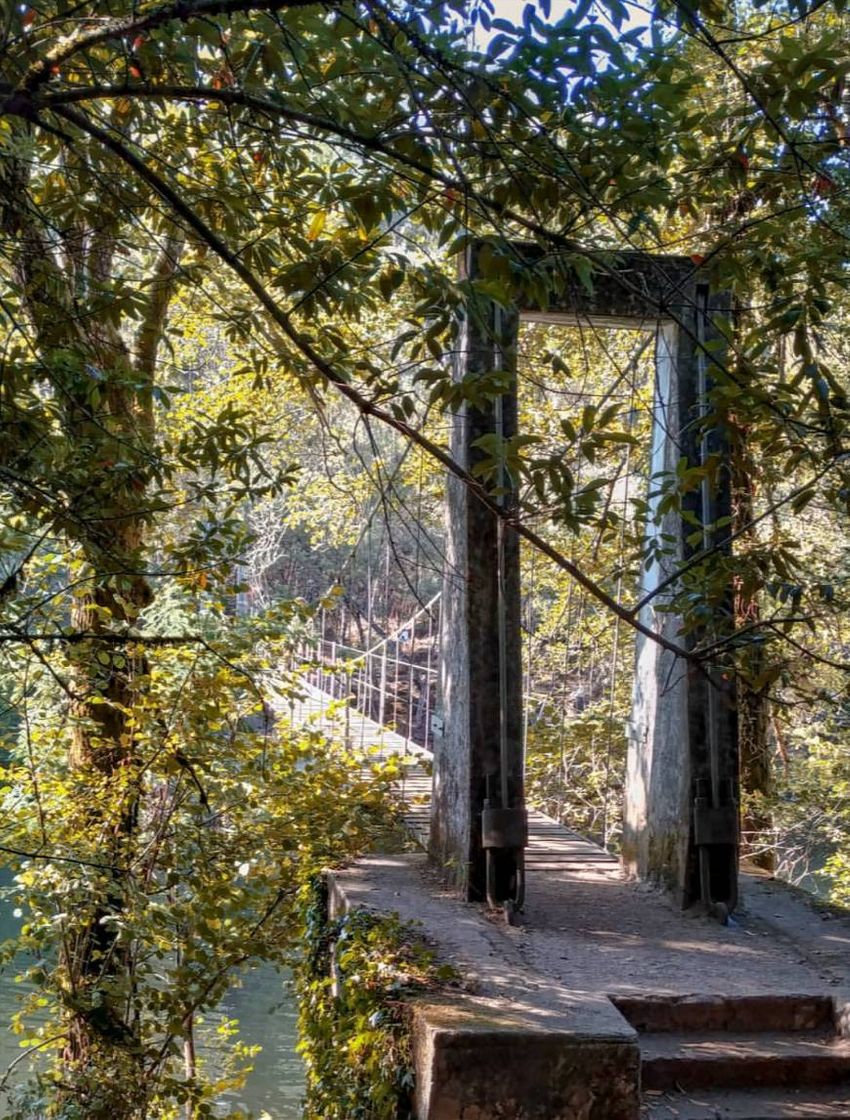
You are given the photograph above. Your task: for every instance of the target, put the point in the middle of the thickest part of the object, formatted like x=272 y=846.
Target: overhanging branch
x=183 y=10
x=184 y=212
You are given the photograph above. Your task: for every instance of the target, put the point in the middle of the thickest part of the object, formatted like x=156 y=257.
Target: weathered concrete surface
x=683 y=733
x=477 y=1060
x=733 y=1060
x=831 y=1103
x=819 y=936
x=586 y=926
x=710 y=1014
x=590 y=934
x=467 y=765
x=657 y=835
x=512 y=1045
x=630 y=289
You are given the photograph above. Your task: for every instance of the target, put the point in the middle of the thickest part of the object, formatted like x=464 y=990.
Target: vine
x=355 y=985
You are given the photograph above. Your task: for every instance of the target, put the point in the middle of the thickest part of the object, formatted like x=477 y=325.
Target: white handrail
x=406 y=625
x=335 y=663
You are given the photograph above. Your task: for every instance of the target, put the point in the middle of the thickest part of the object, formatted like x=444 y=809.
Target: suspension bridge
x=617 y=1000
x=380 y=701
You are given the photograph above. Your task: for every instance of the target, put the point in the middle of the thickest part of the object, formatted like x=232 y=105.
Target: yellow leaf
x=317 y=225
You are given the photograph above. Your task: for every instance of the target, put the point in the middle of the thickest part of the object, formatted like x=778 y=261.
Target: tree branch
x=110 y=638
x=184 y=212
x=183 y=10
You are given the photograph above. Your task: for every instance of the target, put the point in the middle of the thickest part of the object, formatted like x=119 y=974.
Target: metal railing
x=393 y=683
x=383 y=698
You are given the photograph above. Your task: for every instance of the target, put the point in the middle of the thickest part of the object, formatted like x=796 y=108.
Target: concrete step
x=727 y=1013
x=743 y=1060
x=752 y=1104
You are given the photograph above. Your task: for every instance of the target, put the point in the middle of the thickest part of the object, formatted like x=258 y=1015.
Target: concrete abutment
x=635 y=1010
x=515 y=1048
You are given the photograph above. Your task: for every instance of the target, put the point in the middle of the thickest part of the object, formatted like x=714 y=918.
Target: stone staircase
x=740 y=1058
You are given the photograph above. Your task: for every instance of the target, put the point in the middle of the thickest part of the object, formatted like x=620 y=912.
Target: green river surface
x=266 y=1011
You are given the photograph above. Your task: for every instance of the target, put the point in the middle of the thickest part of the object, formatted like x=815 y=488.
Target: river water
x=264 y=1006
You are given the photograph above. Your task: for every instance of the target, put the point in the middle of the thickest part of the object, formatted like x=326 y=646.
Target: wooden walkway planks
x=551 y=846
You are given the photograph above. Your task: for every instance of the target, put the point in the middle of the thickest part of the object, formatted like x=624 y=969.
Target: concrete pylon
x=681 y=824
x=477 y=801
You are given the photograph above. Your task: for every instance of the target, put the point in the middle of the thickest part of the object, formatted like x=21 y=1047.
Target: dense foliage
x=355 y=984
x=228 y=239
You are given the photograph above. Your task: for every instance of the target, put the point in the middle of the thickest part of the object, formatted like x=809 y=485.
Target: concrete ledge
x=518 y=1047
x=476 y=1060
x=743 y=1013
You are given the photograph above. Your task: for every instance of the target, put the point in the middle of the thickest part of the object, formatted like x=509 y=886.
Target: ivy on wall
x=355 y=985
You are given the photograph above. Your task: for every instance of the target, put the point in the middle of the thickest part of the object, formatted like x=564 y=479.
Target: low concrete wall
x=518 y=1047
x=478 y=1060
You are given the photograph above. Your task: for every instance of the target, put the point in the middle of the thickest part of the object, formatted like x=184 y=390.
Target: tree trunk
x=102 y=382
x=753 y=702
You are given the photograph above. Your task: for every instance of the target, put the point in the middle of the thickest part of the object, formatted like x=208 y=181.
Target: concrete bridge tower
x=680 y=819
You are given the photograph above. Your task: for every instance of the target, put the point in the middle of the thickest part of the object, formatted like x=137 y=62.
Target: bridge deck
x=551 y=846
